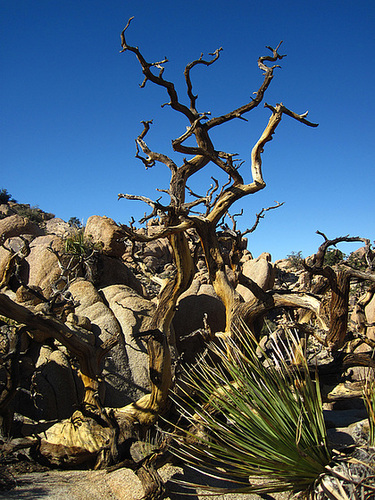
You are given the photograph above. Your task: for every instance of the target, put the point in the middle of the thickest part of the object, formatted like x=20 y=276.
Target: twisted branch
x=260 y=215
x=152 y=156
x=268 y=76
x=157 y=79
x=189 y=67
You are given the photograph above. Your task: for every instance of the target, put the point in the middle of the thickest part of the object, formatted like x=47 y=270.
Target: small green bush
x=35 y=214
x=75 y=222
x=296 y=259
x=357 y=262
x=5 y=197
x=333 y=256
x=78 y=244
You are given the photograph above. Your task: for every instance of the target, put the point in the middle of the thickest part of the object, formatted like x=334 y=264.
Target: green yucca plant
x=77 y=244
x=261 y=418
x=80 y=245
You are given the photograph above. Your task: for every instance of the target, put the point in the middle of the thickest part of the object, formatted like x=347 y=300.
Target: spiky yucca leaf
x=262 y=421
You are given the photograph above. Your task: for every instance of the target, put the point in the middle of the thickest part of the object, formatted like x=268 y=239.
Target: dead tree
x=339 y=280
x=179 y=215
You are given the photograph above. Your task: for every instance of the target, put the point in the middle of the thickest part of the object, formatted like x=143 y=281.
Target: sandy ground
x=122 y=484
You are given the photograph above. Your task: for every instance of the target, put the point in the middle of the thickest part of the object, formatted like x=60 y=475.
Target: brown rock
x=122 y=312
x=259 y=270
x=6 y=210
x=198 y=300
x=58 y=226
x=27 y=297
x=106 y=232
x=113 y=271
x=42 y=266
x=133 y=313
x=57 y=394
x=91 y=306
x=156 y=254
x=15 y=225
x=104 y=325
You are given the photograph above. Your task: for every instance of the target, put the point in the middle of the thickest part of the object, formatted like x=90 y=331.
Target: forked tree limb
x=277 y=113
x=152 y=156
x=260 y=215
x=339 y=282
x=318 y=258
x=157 y=210
x=157 y=79
x=250 y=312
x=205 y=148
x=237 y=191
x=268 y=76
x=275 y=57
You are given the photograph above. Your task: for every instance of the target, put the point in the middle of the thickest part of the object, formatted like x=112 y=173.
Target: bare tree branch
x=277 y=113
x=152 y=156
x=157 y=208
x=188 y=68
x=260 y=215
x=48 y=326
x=163 y=233
x=177 y=143
x=318 y=259
x=275 y=56
x=157 y=79
x=301 y=118
x=268 y=76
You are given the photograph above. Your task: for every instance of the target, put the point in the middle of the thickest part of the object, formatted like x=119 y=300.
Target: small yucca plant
x=261 y=419
x=81 y=246
x=77 y=244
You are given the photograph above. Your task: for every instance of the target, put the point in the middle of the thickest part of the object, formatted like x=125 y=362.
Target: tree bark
x=339 y=310
x=159 y=338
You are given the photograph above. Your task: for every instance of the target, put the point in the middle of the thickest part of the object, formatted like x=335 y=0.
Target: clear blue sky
x=71 y=107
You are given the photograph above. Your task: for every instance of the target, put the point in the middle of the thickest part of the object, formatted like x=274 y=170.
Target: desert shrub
x=333 y=256
x=5 y=197
x=257 y=426
x=296 y=259
x=80 y=245
x=75 y=222
x=33 y=213
x=77 y=244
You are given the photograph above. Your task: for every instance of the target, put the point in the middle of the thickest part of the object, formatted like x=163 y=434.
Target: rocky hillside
x=94 y=278
x=102 y=287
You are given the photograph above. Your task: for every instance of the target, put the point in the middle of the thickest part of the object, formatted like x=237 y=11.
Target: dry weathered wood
x=154 y=488
x=177 y=216
x=339 y=283
x=42 y=327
